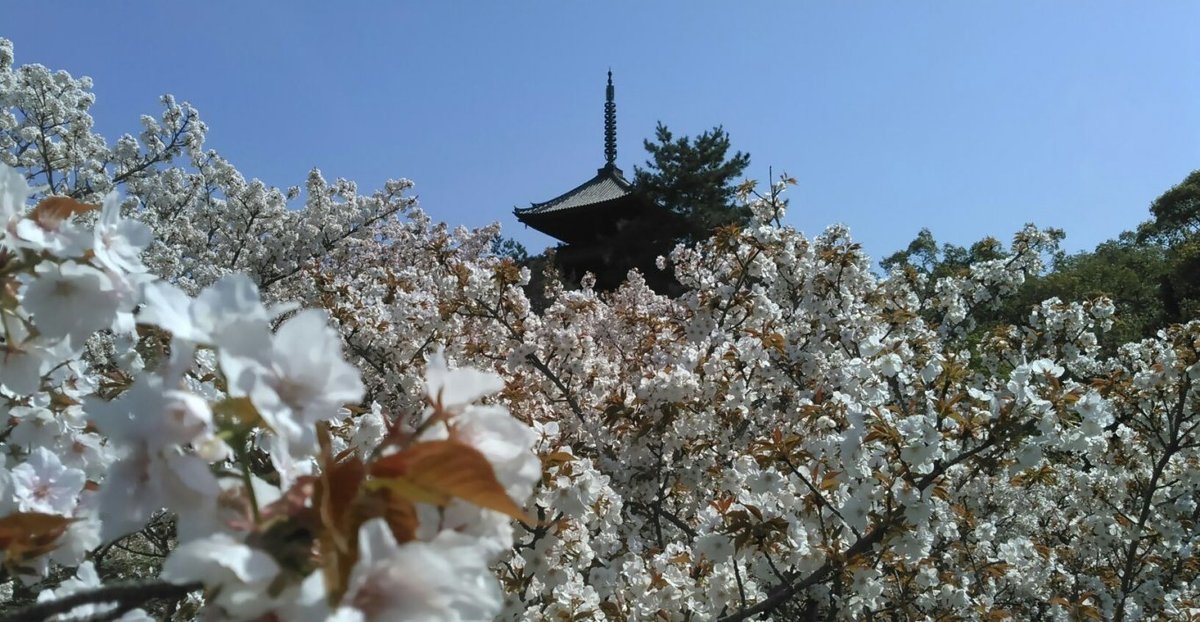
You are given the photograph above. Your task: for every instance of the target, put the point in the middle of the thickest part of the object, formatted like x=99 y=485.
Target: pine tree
x=693 y=178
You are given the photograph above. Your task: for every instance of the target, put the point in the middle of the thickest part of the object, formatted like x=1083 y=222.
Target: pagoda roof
x=609 y=184
x=593 y=208
x=599 y=207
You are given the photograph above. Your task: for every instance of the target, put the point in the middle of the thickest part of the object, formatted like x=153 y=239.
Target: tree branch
x=125 y=597
x=784 y=591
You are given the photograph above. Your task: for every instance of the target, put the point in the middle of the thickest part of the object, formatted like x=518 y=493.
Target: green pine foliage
x=694 y=178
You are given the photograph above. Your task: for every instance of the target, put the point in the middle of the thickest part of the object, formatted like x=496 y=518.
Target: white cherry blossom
x=55 y=297
x=443 y=580
x=118 y=242
x=42 y=484
x=241 y=573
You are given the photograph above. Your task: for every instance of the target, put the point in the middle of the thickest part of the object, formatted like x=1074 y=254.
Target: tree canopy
x=1152 y=275
x=1176 y=225
x=1176 y=213
x=694 y=178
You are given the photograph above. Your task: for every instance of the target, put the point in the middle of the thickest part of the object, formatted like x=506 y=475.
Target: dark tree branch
x=783 y=592
x=125 y=597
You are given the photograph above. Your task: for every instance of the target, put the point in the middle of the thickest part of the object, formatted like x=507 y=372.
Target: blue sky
x=970 y=118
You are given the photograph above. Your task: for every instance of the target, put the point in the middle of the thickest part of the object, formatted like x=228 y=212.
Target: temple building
x=603 y=225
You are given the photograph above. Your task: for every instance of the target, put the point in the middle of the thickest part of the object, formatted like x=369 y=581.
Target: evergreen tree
x=694 y=178
x=1176 y=213
x=1126 y=271
x=510 y=248
x=1176 y=226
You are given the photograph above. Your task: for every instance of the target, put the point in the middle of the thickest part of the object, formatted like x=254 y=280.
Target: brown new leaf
x=400 y=513
x=343 y=503
x=434 y=472
x=52 y=211
x=26 y=535
x=557 y=458
x=335 y=491
x=722 y=504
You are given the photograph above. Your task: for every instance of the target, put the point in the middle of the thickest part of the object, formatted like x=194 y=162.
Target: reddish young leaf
x=557 y=457
x=336 y=489
x=25 y=535
x=722 y=505
x=434 y=472
x=400 y=513
x=52 y=211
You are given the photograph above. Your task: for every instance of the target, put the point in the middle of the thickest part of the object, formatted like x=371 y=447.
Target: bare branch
x=125 y=597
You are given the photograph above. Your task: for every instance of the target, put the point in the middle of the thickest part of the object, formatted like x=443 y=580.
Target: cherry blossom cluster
x=208 y=219
x=382 y=522
x=795 y=436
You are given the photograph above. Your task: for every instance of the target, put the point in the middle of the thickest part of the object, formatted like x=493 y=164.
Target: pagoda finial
x=610 y=125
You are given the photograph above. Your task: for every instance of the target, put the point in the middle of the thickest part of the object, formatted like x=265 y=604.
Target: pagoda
x=604 y=225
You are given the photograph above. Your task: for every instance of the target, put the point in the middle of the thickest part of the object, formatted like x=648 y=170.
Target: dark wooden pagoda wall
x=634 y=241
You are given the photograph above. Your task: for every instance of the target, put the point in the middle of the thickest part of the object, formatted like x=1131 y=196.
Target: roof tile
x=608 y=184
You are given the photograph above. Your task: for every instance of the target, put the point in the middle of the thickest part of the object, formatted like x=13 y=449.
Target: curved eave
x=582 y=223
x=608 y=184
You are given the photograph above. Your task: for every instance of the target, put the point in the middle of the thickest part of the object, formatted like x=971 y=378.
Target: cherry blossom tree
x=798 y=437
x=208 y=219
x=793 y=437
x=232 y=415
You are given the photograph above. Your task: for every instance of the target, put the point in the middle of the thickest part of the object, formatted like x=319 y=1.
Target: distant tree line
x=1152 y=274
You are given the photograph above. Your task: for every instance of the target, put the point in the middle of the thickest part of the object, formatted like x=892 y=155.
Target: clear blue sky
x=970 y=118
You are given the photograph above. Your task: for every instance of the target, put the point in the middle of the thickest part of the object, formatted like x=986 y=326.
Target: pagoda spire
x=610 y=125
